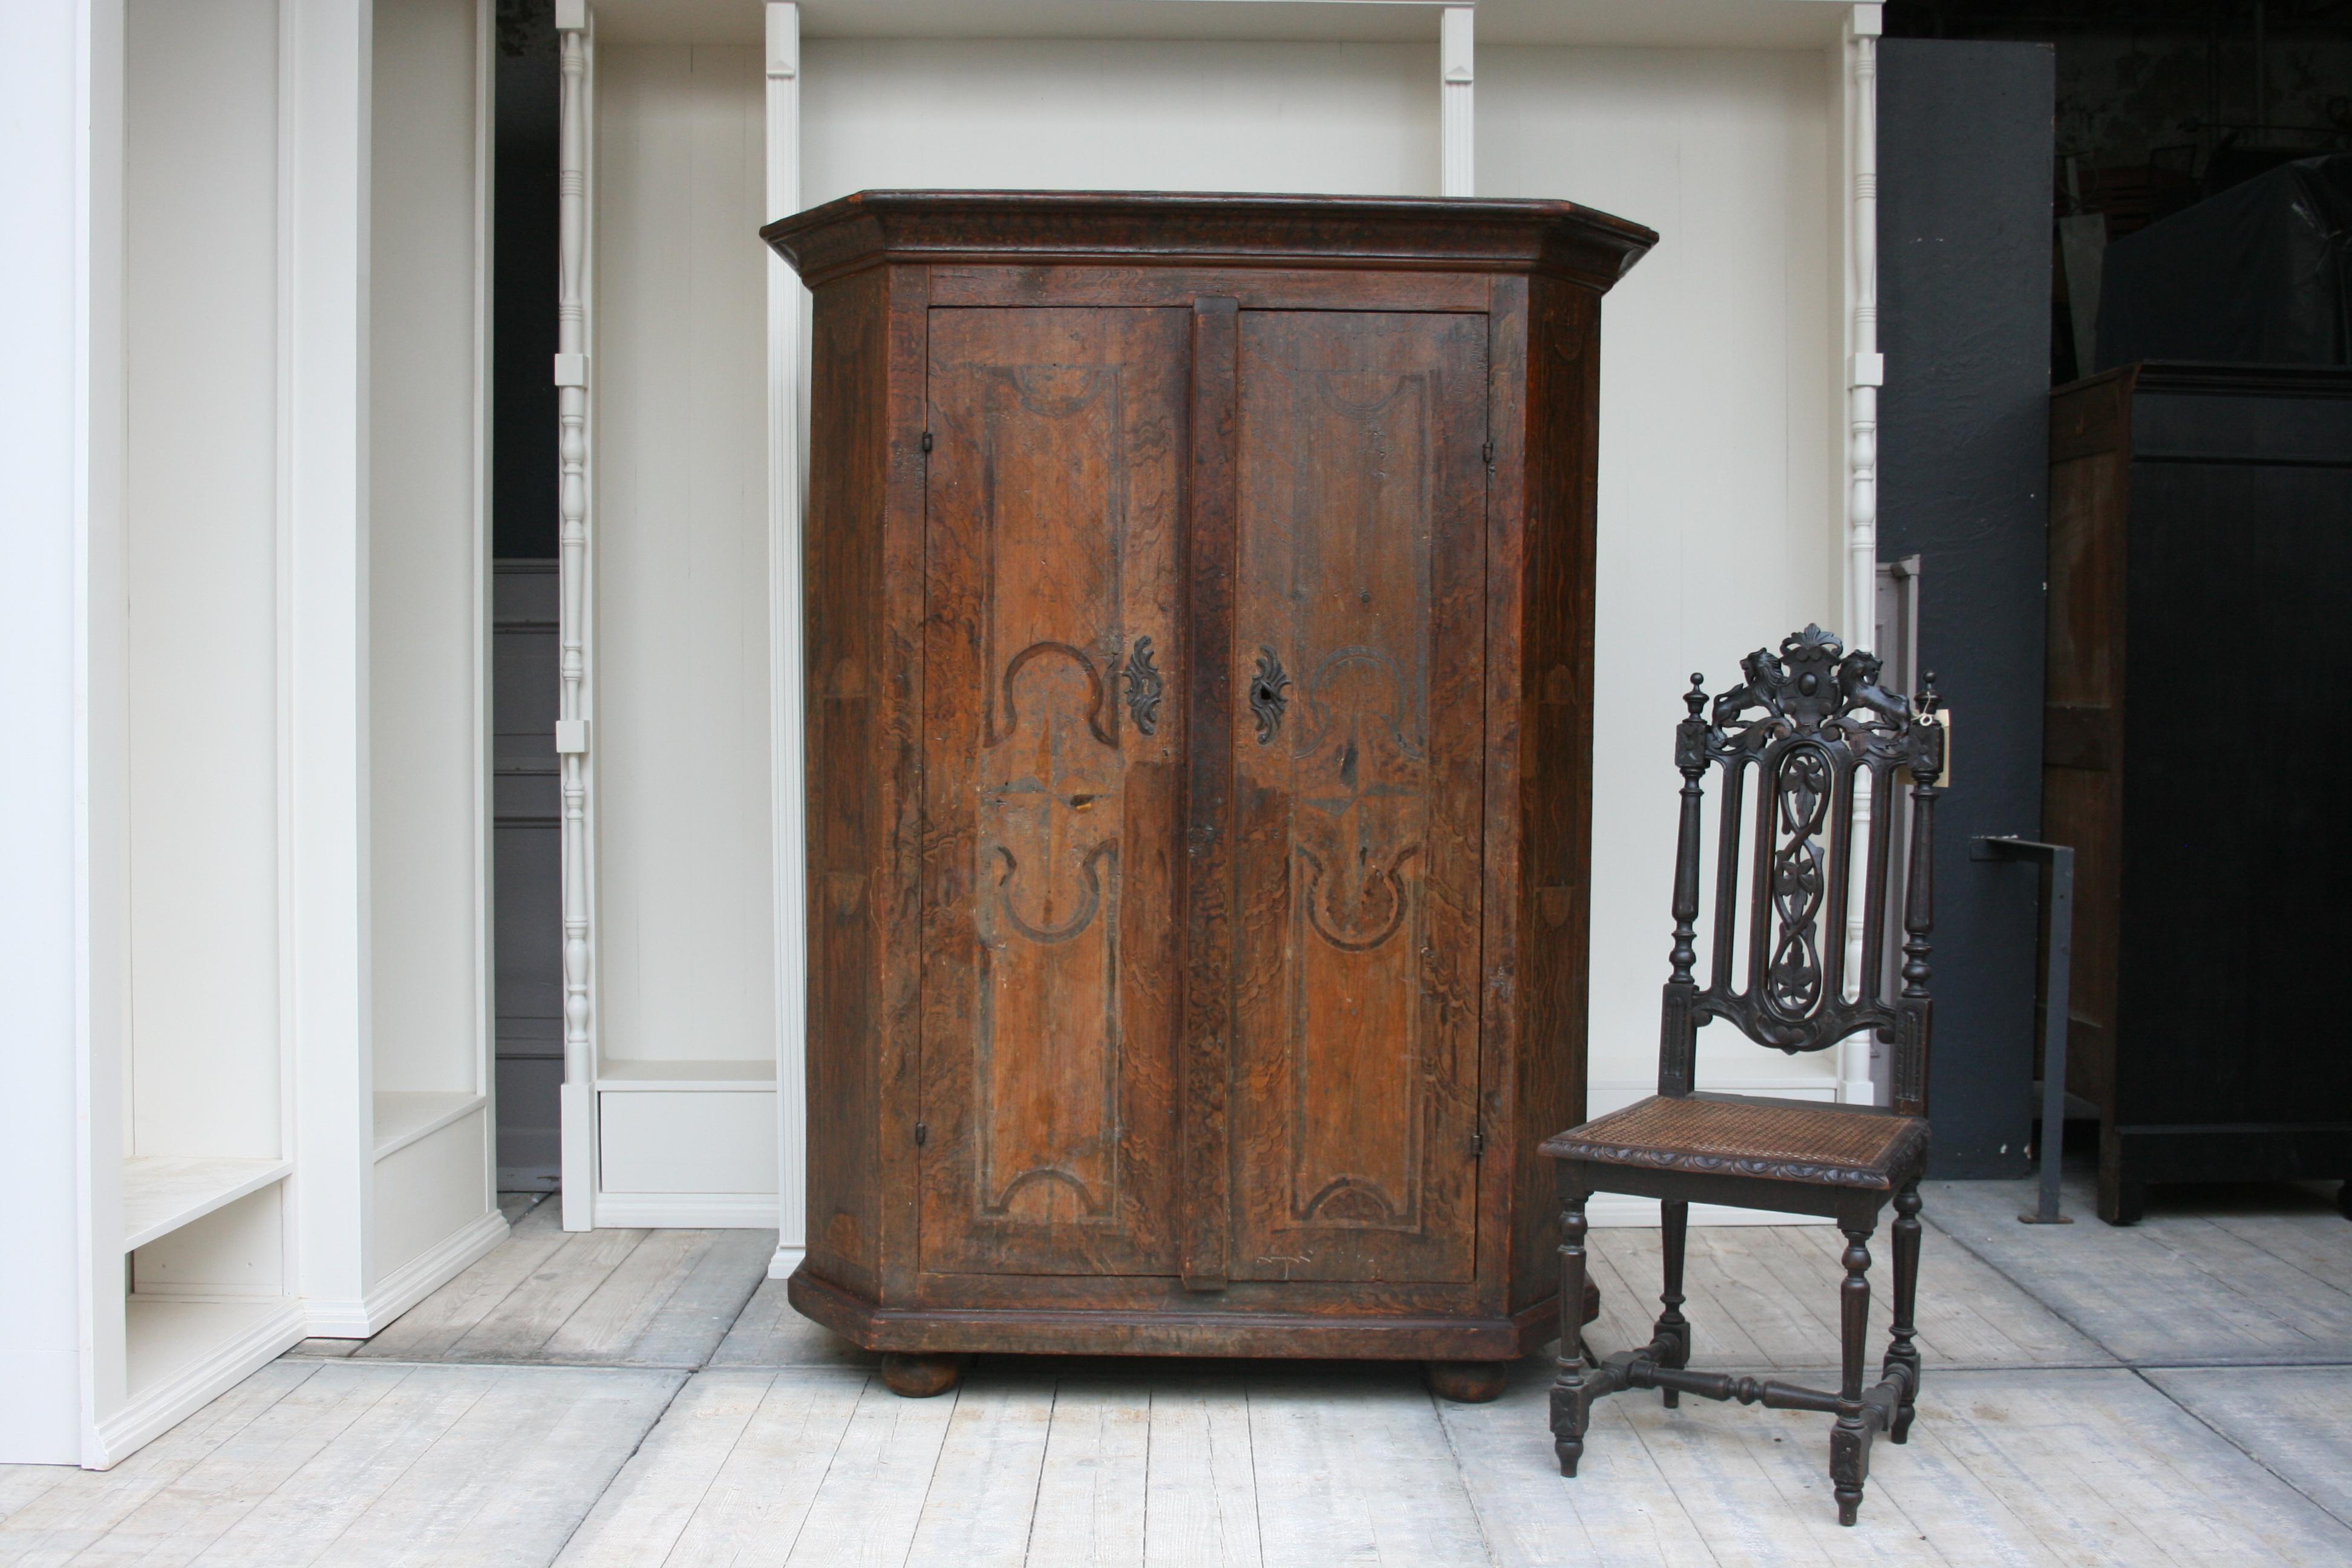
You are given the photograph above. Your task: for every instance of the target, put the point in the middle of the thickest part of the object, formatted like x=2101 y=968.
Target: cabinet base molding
x=1048 y=1330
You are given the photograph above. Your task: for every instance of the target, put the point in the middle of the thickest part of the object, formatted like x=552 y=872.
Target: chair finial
x=1695 y=698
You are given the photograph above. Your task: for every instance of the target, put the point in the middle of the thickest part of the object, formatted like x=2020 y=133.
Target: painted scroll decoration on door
x=1359 y=763
x=1050 y=820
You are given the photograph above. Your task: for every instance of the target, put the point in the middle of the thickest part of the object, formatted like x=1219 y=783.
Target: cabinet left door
x=1051 y=749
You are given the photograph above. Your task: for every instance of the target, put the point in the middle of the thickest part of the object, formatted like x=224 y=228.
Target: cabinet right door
x=1359 y=643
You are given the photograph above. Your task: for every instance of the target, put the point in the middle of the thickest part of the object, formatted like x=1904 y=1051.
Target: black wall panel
x=1964 y=233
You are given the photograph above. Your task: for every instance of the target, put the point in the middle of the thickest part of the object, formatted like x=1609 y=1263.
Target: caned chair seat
x=1728 y=1135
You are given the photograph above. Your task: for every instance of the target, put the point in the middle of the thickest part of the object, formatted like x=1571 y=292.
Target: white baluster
x=579 y=1104
x=786 y=301
x=1866 y=373
x=1456 y=121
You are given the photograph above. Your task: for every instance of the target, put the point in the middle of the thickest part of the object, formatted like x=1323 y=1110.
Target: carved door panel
x=1052 y=770
x=1359 y=634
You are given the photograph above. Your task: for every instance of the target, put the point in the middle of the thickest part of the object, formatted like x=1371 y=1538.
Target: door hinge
x=1477 y=1144
x=1487 y=451
x=922 y=1134
x=927 y=441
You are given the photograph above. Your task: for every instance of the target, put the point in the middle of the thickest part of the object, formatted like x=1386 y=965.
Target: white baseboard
x=786 y=1259
x=188 y=1390
x=686 y=1211
x=328 y=1318
x=1616 y=1211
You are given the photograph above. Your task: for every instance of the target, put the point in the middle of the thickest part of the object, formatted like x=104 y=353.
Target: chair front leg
x=1849 y=1438
x=1571 y=1404
x=1900 y=1351
x=1670 y=1344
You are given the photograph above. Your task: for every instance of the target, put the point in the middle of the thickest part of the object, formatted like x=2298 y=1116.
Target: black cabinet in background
x=2195 y=751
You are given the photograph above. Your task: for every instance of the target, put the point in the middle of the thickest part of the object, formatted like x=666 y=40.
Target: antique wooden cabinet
x=2198 y=555
x=1199 y=658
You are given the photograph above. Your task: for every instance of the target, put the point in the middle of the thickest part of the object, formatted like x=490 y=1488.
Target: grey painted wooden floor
x=2178 y=1393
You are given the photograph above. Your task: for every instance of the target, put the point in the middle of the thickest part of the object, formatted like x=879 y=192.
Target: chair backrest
x=1806 y=723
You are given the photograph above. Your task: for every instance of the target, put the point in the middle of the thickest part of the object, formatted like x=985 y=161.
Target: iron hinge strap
x=927 y=441
x=922 y=1134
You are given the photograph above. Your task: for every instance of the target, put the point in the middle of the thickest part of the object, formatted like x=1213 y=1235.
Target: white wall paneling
x=788 y=309
x=1727 y=340
x=268 y=701
x=427 y=617
x=207 y=1073
x=1190 y=115
x=62 y=887
x=683 y=540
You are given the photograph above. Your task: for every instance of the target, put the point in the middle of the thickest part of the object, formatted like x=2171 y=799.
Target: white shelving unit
x=278 y=1122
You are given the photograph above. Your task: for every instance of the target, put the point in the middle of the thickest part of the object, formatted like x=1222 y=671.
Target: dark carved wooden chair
x=1806 y=723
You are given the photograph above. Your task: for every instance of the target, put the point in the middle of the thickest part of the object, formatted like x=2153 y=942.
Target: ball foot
x=916 y=1375
x=1466 y=1382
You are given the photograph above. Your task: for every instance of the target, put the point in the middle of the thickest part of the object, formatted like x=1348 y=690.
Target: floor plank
x=431 y=1329
x=769 y=1334
x=538 y=1308
x=2176 y=1289
x=2010 y=1467
x=1353 y=1466
x=449 y=1439
x=871 y=1499
x=75 y=1507
x=688 y=1327
x=1201 y=1510
x=983 y=1498
x=2295 y=1422
x=1091 y=1483
x=358 y=1464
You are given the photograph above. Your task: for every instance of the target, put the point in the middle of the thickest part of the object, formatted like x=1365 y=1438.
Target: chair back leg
x=1900 y=1352
x=1850 y=1440
x=1670 y=1344
x=1569 y=1405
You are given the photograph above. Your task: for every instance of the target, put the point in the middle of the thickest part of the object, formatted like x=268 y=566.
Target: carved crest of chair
x=1790 y=745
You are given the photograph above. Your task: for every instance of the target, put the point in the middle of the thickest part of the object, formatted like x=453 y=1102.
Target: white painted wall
x=200 y=303
x=1358 y=119
x=1720 y=500
x=685 y=932
x=427 y=561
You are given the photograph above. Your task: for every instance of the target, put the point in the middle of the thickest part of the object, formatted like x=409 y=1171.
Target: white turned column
x=1865 y=372
x=1456 y=121
x=572 y=728
x=786 y=301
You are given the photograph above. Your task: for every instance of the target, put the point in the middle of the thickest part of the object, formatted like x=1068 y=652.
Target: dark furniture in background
x=1964 y=467
x=2200 y=552
x=2261 y=274
x=1199 y=596
x=1790 y=745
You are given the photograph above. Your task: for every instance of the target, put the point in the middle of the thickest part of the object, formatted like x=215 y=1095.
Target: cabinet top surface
x=1186 y=229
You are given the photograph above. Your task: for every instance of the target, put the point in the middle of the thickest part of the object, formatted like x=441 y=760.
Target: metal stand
x=2060 y=859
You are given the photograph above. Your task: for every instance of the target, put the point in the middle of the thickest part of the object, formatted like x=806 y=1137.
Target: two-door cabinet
x=1199 y=618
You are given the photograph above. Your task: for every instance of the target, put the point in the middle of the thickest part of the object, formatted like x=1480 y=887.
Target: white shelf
x=701 y=1077
x=160 y=1193
x=404 y=1115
